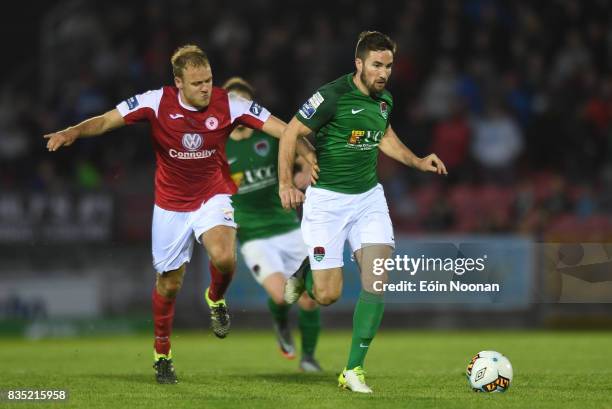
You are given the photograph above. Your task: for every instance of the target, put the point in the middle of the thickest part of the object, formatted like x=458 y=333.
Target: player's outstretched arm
x=391 y=146
x=291 y=196
x=275 y=127
x=89 y=127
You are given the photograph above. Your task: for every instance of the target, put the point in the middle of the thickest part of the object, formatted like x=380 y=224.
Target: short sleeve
x=246 y=112
x=317 y=110
x=141 y=107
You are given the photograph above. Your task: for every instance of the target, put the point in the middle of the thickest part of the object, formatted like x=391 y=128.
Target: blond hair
x=188 y=55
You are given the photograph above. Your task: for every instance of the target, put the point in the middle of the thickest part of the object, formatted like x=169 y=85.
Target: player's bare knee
x=225 y=262
x=307 y=303
x=276 y=294
x=223 y=258
x=169 y=286
x=170 y=283
x=327 y=296
x=325 y=300
x=277 y=298
x=172 y=288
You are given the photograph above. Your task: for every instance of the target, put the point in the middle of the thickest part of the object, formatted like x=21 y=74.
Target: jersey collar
x=183 y=104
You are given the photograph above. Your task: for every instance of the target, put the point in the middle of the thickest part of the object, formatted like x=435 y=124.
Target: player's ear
x=178 y=82
x=358 y=64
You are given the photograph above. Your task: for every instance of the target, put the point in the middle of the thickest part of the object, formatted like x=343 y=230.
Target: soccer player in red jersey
x=190 y=124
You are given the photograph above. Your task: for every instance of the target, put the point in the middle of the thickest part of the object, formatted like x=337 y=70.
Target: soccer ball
x=489 y=371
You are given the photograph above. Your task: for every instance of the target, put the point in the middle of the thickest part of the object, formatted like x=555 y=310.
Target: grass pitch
x=405 y=369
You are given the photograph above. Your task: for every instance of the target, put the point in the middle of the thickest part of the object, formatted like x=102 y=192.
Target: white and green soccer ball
x=489 y=371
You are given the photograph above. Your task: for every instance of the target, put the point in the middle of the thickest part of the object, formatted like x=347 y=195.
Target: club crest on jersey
x=192 y=141
x=319 y=253
x=262 y=148
x=255 y=108
x=211 y=123
x=383 y=109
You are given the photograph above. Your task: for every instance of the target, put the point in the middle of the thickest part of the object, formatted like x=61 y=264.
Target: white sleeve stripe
x=149 y=99
x=239 y=106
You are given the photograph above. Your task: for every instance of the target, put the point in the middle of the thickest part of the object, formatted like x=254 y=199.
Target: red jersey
x=190 y=144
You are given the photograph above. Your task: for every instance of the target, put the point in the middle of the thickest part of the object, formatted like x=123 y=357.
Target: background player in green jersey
x=271 y=241
x=351 y=121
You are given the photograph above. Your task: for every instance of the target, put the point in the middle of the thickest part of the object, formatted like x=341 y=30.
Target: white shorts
x=277 y=254
x=173 y=233
x=331 y=217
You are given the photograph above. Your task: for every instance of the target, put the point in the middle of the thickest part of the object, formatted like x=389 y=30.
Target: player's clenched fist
x=291 y=197
x=61 y=138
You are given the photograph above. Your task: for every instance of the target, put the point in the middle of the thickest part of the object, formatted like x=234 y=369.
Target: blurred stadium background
x=515 y=97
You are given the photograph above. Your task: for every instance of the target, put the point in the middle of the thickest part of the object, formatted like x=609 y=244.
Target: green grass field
x=405 y=369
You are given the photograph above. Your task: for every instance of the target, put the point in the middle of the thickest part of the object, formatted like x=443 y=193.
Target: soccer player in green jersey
x=351 y=121
x=270 y=237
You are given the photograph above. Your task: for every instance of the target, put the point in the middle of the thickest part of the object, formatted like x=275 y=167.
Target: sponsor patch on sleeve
x=310 y=107
x=132 y=102
x=316 y=100
x=255 y=109
x=307 y=110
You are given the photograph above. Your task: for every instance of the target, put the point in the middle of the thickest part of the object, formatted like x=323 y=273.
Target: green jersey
x=348 y=127
x=257 y=208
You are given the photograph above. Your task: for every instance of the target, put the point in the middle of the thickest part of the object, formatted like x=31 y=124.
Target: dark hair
x=238 y=84
x=188 y=55
x=373 y=41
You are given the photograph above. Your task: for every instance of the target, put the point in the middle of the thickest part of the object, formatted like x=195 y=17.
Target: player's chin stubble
x=372 y=88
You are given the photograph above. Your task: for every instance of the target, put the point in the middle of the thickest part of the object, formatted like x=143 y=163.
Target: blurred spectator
x=458 y=61
x=440 y=90
x=451 y=140
x=497 y=144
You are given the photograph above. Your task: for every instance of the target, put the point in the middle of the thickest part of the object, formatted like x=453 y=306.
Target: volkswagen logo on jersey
x=211 y=123
x=262 y=148
x=192 y=141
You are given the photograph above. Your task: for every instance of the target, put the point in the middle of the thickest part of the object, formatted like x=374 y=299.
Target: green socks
x=366 y=320
x=308 y=280
x=310 y=325
x=279 y=312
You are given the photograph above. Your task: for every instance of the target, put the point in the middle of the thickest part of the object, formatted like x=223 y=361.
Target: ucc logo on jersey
x=356 y=137
x=192 y=141
x=366 y=138
x=262 y=148
x=255 y=179
x=257 y=175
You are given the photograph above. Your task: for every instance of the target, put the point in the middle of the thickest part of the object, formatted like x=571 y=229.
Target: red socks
x=218 y=283
x=163 y=315
x=163 y=308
